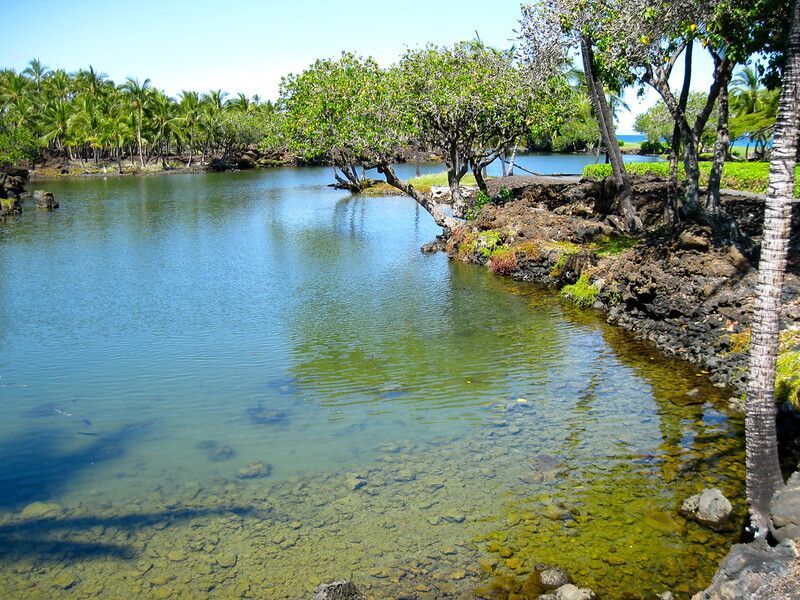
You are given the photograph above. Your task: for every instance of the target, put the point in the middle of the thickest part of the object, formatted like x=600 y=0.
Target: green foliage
x=747 y=177
x=17 y=145
x=657 y=123
x=582 y=293
x=610 y=245
x=481 y=200
x=787 y=378
x=340 y=109
x=487 y=243
x=84 y=115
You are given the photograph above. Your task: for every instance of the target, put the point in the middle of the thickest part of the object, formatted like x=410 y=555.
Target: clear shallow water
x=150 y=316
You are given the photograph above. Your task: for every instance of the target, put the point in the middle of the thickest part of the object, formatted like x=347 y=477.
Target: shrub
x=582 y=293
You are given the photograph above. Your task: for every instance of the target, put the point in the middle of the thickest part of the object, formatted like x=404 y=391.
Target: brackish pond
x=432 y=430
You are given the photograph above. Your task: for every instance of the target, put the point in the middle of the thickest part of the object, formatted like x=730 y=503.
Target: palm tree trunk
x=763 y=468
x=139 y=138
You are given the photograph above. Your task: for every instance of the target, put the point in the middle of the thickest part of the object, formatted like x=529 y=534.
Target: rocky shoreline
x=677 y=288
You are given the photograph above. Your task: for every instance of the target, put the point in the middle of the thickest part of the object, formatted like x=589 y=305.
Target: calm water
x=431 y=429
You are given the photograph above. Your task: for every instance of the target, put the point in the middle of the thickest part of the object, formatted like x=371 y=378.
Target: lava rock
x=784 y=511
x=45 y=200
x=756 y=570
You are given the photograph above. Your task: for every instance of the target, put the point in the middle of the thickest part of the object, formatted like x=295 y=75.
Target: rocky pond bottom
x=471 y=515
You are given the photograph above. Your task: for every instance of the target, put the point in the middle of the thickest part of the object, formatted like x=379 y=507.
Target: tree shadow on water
x=36 y=465
x=64 y=539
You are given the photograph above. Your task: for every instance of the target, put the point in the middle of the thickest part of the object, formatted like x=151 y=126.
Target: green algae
x=581 y=293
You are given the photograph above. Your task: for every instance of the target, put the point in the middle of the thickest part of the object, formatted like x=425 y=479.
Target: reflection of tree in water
x=444 y=337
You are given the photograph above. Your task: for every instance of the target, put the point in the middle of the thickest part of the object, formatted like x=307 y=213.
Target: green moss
x=582 y=293
x=487 y=242
x=613 y=244
x=565 y=247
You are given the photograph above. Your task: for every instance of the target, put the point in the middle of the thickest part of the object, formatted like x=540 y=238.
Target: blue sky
x=246 y=45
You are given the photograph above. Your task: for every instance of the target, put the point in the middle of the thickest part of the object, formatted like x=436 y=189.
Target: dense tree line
x=85 y=116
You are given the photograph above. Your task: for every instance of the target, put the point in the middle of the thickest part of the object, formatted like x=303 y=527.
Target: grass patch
x=424 y=183
x=745 y=176
x=581 y=293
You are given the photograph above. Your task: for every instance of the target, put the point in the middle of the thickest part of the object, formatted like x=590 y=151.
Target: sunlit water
x=432 y=430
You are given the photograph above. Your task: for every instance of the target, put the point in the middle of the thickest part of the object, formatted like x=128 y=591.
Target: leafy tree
x=657 y=124
x=549 y=31
x=332 y=112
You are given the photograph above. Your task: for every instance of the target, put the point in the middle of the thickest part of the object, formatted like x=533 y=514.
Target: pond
x=242 y=385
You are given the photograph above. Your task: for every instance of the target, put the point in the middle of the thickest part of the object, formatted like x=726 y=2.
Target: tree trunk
x=608 y=133
x=683 y=100
x=424 y=200
x=763 y=468
x=477 y=172
x=456 y=169
x=512 y=161
x=139 y=138
x=713 y=205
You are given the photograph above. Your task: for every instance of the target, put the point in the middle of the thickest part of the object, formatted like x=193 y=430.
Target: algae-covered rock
x=65 y=580
x=553 y=578
x=34 y=510
x=338 y=590
x=254 y=469
x=710 y=508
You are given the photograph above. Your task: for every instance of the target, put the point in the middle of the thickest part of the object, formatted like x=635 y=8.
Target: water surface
x=431 y=429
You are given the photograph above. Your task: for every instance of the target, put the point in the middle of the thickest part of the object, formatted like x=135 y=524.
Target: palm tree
x=764 y=476
x=746 y=88
x=138 y=94
x=190 y=119
x=36 y=71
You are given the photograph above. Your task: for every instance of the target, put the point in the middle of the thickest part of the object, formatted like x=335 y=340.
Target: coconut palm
x=764 y=476
x=36 y=71
x=138 y=95
x=745 y=91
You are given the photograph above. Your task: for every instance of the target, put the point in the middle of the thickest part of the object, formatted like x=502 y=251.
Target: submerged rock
x=40 y=509
x=254 y=469
x=221 y=453
x=265 y=416
x=710 y=508
x=338 y=590
x=553 y=578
